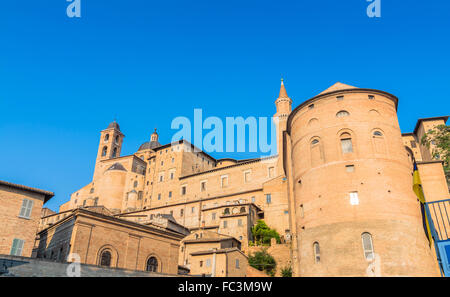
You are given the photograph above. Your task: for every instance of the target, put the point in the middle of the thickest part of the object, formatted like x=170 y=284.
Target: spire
x=283 y=93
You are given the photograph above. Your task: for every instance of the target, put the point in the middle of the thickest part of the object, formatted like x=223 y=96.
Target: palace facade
x=339 y=192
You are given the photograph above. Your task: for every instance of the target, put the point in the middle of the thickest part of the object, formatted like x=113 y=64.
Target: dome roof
x=149 y=145
x=114 y=125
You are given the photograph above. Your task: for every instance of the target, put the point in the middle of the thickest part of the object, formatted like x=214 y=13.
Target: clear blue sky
x=63 y=80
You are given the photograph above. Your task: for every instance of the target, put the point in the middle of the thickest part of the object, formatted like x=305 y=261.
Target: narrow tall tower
x=284 y=108
x=110 y=144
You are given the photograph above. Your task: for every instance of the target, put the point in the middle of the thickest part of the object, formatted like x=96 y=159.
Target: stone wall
x=280 y=252
x=31 y=267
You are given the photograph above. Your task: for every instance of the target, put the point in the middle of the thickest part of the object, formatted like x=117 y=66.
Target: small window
x=104 y=151
x=367 y=246
x=17 y=247
x=225 y=224
x=271 y=171
x=213 y=216
x=253 y=199
x=224 y=181
x=226 y=211
x=203 y=186
x=181 y=212
x=117 y=139
x=159 y=196
x=201 y=263
x=340 y=98
x=25 y=211
x=171 y=175
x=208 y=262
x=354 y=199
x=114 y=154
x=413 y=144
x=183 y=190
x=135 y=184
x=268 y=198
x=240 y=222
x=350 y=168
x=237 y=263
x=311 y=106
x=170 y=194
x=192 y=209
x=346 y=143
x=342 y=113
x=316 y=249
x=247 y=176
x=106 y=137
x=314 y=142
x=371 y=97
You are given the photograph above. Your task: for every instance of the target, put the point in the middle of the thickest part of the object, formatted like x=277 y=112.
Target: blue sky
x=145 y=62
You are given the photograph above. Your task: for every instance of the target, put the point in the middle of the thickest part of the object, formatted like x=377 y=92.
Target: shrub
x=263 y=261
x=263 y=234
x=286 y=272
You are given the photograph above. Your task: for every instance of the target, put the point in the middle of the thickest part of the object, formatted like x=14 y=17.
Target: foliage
x=263 y=261
x=439 y=139
x=286 y=271
x=262 y=233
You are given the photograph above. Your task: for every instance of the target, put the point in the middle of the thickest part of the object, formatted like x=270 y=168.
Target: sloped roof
x=338 y=87
x=117 y=166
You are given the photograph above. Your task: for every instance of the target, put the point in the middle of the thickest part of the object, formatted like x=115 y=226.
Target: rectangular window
x=354 y=200
x=247 y=176
x=350 y=168
x=208 y=262
x=339 y=98
x=213 y=216
x=413 y=144
x=240 y=222
x=347 y=146
x=193 y=209
x=203 y=186
x=181 y=212
x=237 y=263
x=225 y=224
x=159 y=196
x=268 y=198
x=171 y=175
x=170 y=194
x=224 y=181
x=253 y=199
x=201 y=263
x=183 y=190
x=17 y=247
x=271 y=171
x=27 y=206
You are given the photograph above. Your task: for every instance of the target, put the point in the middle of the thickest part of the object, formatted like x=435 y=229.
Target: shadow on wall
x=5 y=264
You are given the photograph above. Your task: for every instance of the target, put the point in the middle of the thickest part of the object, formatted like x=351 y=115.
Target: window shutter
x=29 y=208
x=23 y=209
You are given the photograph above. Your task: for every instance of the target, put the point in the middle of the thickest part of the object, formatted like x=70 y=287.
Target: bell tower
x=110 y=144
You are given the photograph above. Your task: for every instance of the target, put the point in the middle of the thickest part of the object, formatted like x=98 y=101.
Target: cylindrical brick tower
x=356 y=213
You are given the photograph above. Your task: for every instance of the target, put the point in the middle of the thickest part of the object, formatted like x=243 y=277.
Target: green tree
x=286 y=271
x=262 y=233
x=263 y=261
x=439 y=137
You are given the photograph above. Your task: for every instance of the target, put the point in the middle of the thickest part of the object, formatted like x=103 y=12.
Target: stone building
x=339 y=191
x=92 y=236
x=20 y=213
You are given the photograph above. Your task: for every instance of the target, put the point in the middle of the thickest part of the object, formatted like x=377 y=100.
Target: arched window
x=379 y=144
x=106 y=137
x=367 y=246
x=346 y=143
x=313 y=122
x=116 y=140
x=316 y=153
x=226 y=211
x=114 y=154
x=104 y=151
x=242 y=210
x=152 y=264
x=316 y=249
x=135 y=183
x=105 y=259
x=342 y=113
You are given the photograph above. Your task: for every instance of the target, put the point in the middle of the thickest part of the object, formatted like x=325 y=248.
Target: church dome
x=149 y=145
x=152 y=144
x=114 y=125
